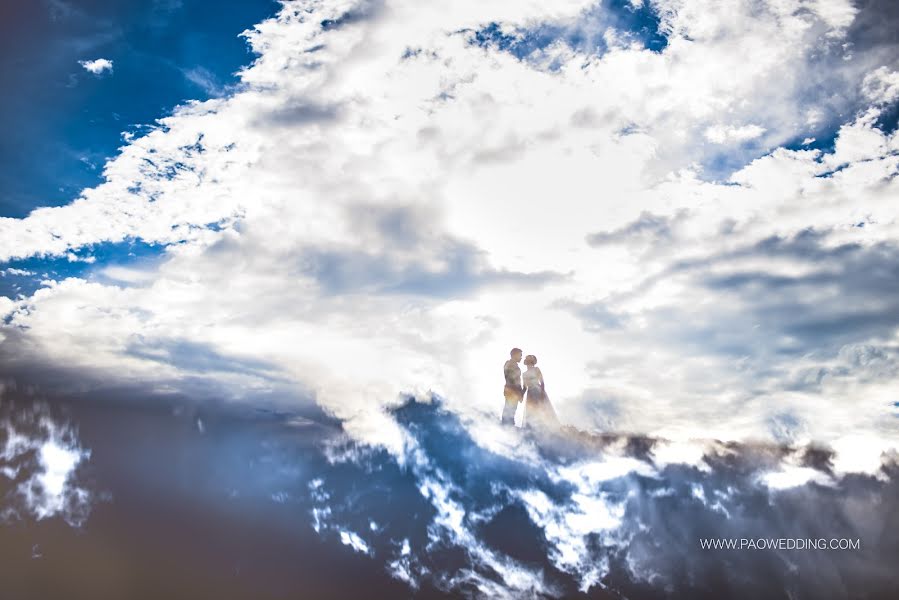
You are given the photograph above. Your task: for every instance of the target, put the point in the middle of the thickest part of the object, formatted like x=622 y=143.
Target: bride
x=539 y=411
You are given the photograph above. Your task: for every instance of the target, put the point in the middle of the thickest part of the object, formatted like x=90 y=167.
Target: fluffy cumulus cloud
x=97 y=66
x=396 y=193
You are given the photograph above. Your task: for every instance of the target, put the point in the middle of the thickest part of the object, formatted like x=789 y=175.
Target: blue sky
x=641 y=23
x=63 y=122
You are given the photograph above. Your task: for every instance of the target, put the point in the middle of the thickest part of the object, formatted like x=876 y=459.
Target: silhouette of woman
x=539 y=411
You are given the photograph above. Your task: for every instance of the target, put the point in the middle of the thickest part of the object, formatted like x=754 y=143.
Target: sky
x=373 y=199
x=73 y=118
x=686 y=209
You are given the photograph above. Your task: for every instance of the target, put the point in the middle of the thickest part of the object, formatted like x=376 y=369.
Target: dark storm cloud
x=656 y=551
x=876 y=25
x=201 y=498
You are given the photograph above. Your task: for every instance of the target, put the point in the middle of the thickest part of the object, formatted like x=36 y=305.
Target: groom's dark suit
x=512 y=392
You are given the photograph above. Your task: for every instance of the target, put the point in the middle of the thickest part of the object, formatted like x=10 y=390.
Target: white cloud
x=401 y=567
x=46 y=492
x=566 y=528
x=354 y=541
x=720 y=134
x=50 y=488
x=881 y=86
x=72 y=257
x=396 y=206
x=14 y=271
x=97 y=66
x=861 y=453
x=452 y=523
x=794 y=476
x=127 y=275
x=205 y=80
x=455 y=523
x=691 y=453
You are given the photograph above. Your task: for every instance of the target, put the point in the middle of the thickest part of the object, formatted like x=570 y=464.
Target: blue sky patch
x=63 y=122
x=24 y=276
x=586 y=35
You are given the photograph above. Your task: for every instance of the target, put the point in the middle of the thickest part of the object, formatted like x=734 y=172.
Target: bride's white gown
x=539 y=410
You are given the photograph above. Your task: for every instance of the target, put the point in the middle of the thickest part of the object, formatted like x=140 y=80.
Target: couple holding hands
x=539 y=411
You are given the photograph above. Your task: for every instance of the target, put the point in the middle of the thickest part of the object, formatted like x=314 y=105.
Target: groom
x=512 y=391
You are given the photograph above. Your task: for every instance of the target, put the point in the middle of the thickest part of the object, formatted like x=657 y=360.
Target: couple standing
x=539 y=411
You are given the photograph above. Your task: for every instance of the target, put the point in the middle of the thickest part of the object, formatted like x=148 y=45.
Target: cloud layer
x=614 y=515
x=396 y=194
x=221 y=500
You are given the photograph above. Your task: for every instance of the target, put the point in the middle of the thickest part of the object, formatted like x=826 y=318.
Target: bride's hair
x=530 y=360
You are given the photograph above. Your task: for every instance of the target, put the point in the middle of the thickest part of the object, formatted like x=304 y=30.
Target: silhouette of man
x=512 y=392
